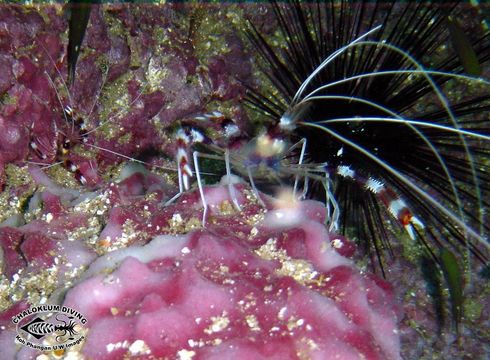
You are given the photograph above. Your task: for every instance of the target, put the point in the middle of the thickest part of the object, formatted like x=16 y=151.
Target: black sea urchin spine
x=375 y=106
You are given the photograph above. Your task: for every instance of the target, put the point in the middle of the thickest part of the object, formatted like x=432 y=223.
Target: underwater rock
x=131 y=89
x=153 y=282
x=12 y=261
x=235 y=289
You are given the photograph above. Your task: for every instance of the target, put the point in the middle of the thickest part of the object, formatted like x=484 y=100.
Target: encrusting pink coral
x=236 y=289
x=239 y=288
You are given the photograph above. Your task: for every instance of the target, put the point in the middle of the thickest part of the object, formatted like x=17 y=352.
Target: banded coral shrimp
x=265 y=154
x=130 y=88
x=88 y=138
x=264 y=157
x=54 y=120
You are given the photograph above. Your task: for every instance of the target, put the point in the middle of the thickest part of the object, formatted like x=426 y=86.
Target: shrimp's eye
x=68 y=110
x=231 y=130
x=66 y=145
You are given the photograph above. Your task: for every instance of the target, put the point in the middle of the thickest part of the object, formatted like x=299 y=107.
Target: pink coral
x=238 y=288
x=235 y=290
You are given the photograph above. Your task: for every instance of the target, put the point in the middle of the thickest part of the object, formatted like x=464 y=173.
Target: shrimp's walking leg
x=301 y=143
x=231 y=187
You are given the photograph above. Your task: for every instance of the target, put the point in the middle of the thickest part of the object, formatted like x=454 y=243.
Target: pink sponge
x=237 y=290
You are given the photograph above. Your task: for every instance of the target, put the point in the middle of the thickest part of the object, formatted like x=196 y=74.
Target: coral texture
x=243 y=287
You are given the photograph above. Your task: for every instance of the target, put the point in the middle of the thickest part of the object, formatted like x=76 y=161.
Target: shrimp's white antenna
x=404 y=180
x=327 y=61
